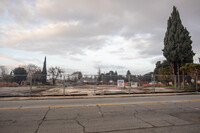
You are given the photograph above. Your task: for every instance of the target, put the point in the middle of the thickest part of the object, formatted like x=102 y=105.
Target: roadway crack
x=42 y=120
x=79 y=123
x=135 y=115
x=169 y=123
x=100 y=111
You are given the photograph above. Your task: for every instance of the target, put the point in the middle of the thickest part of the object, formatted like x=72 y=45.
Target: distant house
x=87 y=80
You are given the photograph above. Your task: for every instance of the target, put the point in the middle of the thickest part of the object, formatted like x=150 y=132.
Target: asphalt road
x=167 y=114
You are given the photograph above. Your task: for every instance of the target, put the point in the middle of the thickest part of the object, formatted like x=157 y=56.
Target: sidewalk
x=95 y=96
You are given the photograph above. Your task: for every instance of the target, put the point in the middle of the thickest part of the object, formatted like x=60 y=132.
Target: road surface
x=167 y=114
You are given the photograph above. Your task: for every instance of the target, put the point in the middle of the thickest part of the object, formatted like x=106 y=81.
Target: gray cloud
x=94 y=19
x=74 y=27
x=17 y=60
x=75 y=58
x=134 y=57
x=111 y=67
x=117 y=51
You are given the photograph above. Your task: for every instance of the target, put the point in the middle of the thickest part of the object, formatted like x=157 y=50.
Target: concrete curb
x=11 y=98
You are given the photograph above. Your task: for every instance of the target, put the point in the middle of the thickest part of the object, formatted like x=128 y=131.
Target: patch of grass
x=190 y=88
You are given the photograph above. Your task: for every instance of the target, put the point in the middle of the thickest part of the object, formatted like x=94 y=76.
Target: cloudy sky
x=84 y=35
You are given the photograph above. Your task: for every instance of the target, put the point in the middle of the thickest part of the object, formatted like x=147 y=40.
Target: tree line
x=31 y=73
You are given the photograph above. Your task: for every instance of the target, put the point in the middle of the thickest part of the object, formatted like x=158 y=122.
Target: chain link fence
x=76 y=84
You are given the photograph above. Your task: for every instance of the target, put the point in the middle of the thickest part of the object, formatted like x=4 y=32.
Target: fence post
x=129 y=84
x=31 y=84
x=175 y=81
x=102 y=79
x=196 y=83
x=103 y=84
x=154 y=82
x=95 y=85
x=183 y=81
x=63 y=85
x=152 y=77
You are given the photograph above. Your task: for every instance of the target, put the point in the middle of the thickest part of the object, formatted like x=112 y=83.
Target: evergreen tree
x=158 y=66
x=44 y=72
x=162 y=65
x=99 y=72
x=20 y=74
x=128 y=76
x=99 y=76
x=177 y=44
x=116 y=73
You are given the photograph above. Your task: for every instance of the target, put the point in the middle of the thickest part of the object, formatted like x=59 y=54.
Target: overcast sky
x=84 y=35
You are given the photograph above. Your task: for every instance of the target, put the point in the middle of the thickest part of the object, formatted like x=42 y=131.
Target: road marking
x=92 y=105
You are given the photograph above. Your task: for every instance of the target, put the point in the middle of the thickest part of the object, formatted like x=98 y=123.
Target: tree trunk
x=178 y=73
x=183 y=79
x=173 y=72
x=54 y=81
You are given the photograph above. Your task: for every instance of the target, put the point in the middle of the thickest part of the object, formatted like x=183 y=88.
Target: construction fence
x=78 y=84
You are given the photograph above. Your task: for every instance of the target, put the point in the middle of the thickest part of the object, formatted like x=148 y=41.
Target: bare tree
x=77 y=75
x=34 y=71
x=3 y=72
x=55 y=72
x=31 y=69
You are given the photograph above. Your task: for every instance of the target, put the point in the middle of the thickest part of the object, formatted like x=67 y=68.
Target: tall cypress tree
x=44 y=72
x=177 y=44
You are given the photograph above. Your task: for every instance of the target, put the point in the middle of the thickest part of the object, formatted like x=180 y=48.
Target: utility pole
x=63 y=85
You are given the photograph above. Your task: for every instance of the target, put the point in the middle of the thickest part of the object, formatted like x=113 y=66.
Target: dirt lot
x=79 y=90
